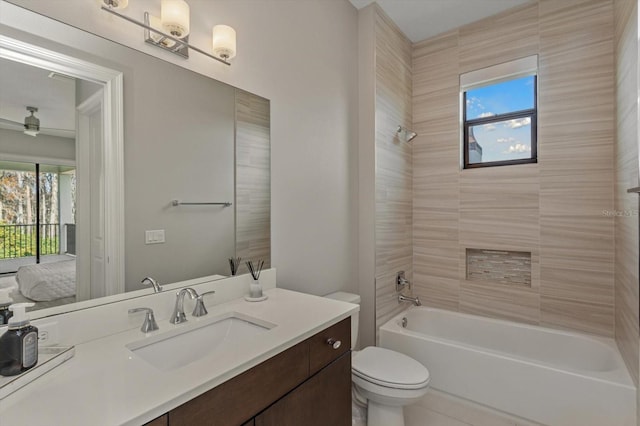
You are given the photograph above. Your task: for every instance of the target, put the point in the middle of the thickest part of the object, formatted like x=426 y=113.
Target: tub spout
x=414 y=300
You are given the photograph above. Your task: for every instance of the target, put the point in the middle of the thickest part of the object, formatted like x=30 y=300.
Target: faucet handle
x=200 y=309
x=401 y=281
x=149 y=323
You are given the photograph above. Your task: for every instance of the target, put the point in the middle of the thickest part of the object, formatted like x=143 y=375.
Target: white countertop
x=107 y=384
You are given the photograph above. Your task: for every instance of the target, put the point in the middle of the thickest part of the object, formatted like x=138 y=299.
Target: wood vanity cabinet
x=160 y=421
x=308 y=384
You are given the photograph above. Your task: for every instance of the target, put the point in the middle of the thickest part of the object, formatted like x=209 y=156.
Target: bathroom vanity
x=290 y=373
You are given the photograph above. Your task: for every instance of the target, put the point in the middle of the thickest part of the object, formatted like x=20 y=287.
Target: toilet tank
x=350 y=298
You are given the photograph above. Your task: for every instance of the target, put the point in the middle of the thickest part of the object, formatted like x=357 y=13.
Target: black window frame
x=532 y=113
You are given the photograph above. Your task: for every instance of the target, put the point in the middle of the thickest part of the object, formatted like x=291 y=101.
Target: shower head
x=408 y=134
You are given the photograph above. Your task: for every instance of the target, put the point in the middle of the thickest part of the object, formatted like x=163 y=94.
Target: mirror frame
x=113 y=132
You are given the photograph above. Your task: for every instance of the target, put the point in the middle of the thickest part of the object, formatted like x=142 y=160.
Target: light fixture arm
x=167 y=36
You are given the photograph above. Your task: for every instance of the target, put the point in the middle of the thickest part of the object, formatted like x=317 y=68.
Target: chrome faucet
x=178 y=315
x=156 y=286
x=415 y=300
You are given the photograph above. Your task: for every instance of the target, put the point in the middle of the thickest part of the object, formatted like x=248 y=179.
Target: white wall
x=302 y=55
x=16 y=146
x=367 y=174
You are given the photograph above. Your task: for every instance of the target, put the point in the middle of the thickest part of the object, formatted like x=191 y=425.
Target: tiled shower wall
x=626 y=166
x=553 y=209
x=393 y=181
x=253 y=179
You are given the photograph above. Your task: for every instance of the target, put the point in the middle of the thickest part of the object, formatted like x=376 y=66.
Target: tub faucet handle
x=402 y=281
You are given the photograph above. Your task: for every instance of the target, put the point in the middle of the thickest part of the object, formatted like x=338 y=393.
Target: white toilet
x=383 y=379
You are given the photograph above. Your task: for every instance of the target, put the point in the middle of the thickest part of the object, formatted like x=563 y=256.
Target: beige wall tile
x=576 y=315
x=500 y=229
x=626 y=166
x=436 y=259
x=253 y=178
x=500 y=301
x=500 y=188
x=394 y=195
x=585 y=244
x=436 y=292
x=552 y=209
x=501 y=38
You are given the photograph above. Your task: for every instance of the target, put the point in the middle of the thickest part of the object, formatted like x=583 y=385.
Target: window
x=500 y=114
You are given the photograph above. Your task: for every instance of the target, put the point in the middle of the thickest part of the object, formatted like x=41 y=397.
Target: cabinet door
x=324 y=399
x=239 y=399
x=160 y=421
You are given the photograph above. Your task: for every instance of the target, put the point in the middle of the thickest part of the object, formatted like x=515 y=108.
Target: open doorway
x=42 y=257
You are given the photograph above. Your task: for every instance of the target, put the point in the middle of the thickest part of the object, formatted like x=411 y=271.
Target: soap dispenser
x=19 y=345
x=5 y=302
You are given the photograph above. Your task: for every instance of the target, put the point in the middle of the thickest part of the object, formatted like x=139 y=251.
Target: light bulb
x=224 y=41
x=174 y=16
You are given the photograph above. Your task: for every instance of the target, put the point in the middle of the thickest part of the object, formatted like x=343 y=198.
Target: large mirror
x=195 y=174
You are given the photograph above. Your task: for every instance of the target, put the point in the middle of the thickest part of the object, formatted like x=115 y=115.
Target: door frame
x=113 y=137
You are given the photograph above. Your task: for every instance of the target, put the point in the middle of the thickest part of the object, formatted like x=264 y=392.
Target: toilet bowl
x=383 y=379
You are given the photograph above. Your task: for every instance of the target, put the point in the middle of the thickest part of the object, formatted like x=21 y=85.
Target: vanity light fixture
x=171 y=31
x=31 y=122
x=115 y=4
x=157 y=38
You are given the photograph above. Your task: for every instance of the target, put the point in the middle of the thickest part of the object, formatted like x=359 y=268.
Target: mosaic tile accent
x=504 y=267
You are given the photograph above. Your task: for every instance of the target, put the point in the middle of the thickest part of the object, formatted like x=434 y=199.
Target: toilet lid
x=389 y=368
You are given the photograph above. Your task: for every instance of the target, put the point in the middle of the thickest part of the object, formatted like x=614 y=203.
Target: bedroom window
x=499 y=114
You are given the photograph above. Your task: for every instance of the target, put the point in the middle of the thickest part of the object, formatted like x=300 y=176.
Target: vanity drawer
x=321 y=346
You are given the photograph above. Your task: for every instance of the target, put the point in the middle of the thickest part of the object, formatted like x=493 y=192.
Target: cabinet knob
x=335 y=344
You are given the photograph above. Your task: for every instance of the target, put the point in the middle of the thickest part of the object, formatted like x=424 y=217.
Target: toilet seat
x=389 y=369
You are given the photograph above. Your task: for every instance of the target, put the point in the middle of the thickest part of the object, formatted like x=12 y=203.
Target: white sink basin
x=191 y=341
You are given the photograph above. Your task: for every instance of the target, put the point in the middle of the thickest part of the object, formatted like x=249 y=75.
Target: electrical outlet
x=48 y=334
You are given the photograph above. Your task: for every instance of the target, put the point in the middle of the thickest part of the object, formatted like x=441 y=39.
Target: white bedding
x=48 y=281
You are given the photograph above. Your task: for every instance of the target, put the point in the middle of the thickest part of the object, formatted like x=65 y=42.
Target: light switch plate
x=154 y=236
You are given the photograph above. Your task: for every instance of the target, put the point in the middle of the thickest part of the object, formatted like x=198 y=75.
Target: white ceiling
x=23 y=85
x=421 y=19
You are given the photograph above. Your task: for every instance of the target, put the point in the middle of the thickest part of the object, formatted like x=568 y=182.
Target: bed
x=46 y=282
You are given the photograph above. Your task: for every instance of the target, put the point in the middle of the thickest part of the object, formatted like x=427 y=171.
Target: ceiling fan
x=31 y=125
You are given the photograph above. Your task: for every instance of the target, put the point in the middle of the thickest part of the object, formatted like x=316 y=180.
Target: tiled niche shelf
x=499 y=266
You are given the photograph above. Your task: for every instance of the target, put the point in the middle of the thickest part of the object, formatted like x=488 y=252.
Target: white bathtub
x=548 y=376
